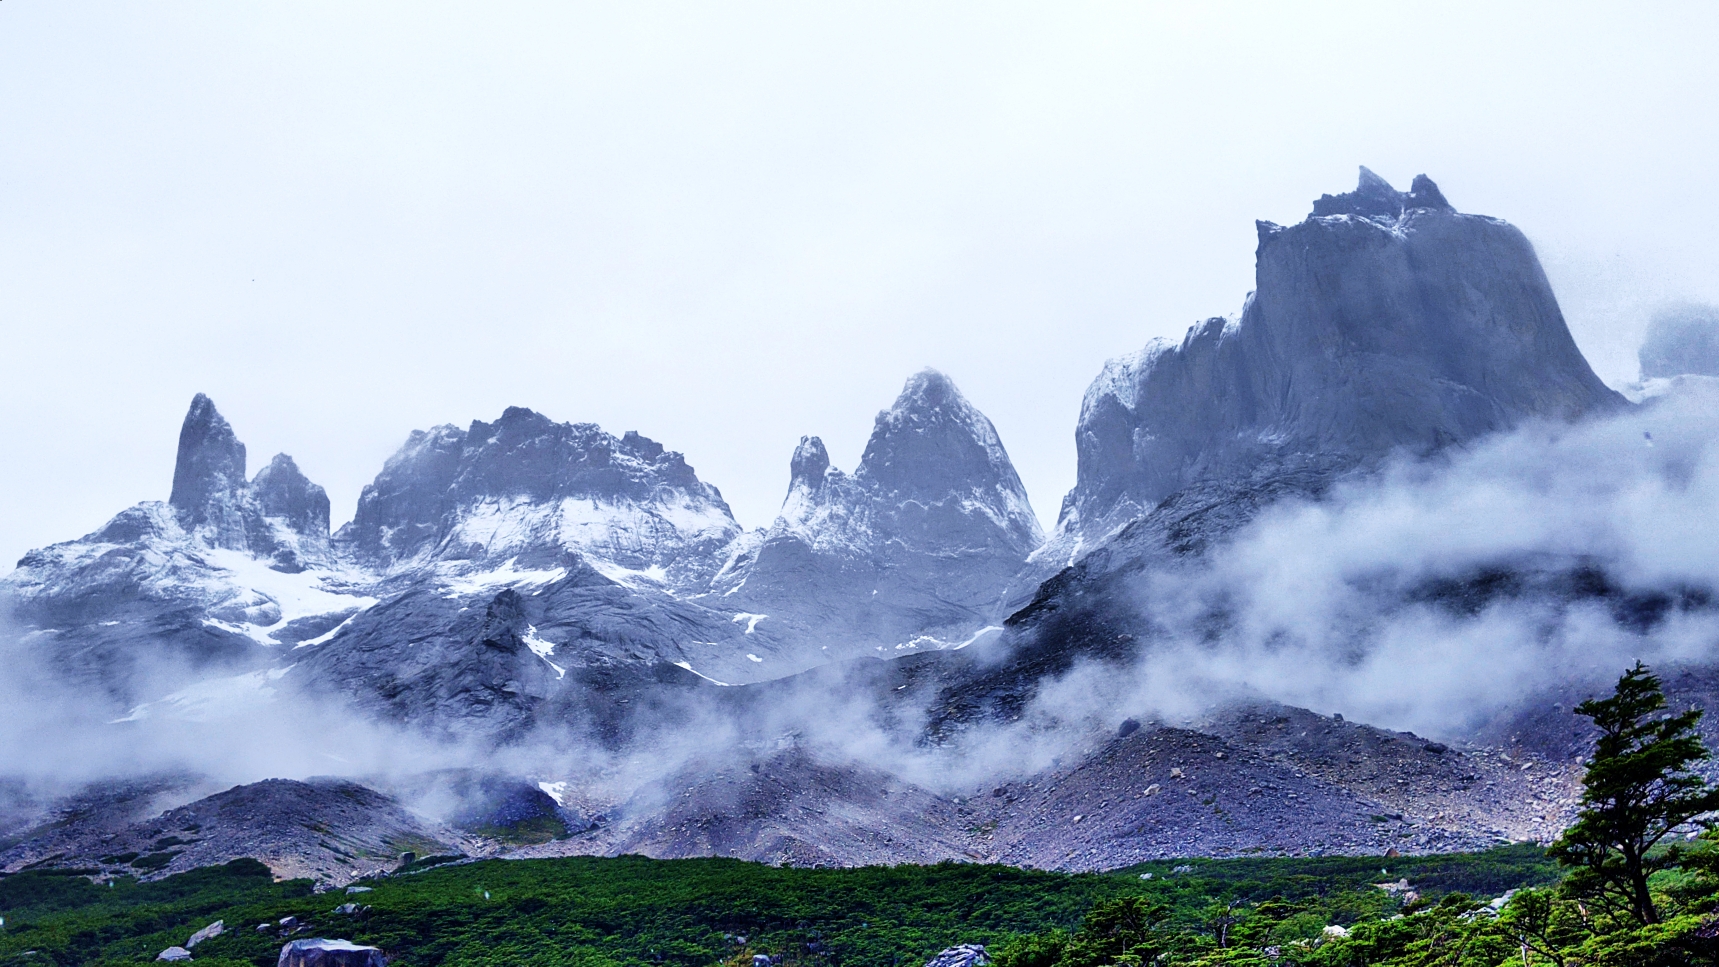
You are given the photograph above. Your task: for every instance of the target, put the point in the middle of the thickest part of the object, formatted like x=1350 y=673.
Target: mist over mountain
x=1681 y=340
x=1326 y=561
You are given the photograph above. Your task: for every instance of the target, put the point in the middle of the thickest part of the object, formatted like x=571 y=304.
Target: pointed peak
x=929 y=399
x=927 y=387
x=280 y=465
x=282 y=490
x=202 y=408
x=809 y=463
x=203 y=420
x=1371 y=183
x=1374 y=197
x=1424 y=194
x=211 y=462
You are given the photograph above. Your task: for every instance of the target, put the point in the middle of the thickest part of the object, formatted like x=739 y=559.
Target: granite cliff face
x=908 y=552
x=1385 y=322
x=279 y=514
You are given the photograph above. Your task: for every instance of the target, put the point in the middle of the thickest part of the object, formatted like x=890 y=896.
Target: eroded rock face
x=1681 y=341
x=910 y=550
x=1385 y=321
x=280 y=513
x=528 y=488
x=209 y=474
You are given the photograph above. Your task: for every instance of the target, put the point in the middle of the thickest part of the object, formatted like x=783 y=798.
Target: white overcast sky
x=726 y=224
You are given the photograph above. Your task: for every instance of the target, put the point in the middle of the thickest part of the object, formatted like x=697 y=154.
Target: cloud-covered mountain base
x=1346 y=607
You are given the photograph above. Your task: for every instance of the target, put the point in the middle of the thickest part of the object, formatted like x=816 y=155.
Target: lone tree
x=1640 y=787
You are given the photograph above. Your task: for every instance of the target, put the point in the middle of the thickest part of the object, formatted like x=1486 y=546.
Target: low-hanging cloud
x=1341 y=604
x=1356 y=603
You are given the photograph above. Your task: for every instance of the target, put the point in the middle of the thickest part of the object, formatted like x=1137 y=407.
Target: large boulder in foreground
x=961 y=955
x=320 y=952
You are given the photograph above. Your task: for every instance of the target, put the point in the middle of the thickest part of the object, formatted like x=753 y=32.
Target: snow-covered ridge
x=915 y=545
x=607 y=548
x=526 y=487
x=933 y=461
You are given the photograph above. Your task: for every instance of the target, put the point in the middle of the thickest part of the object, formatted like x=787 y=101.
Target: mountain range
x=516 y=590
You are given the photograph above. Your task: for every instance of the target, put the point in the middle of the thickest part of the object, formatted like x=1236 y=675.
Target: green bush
x=631 y=911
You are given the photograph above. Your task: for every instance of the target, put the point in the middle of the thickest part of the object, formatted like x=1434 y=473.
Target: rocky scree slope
x=329 y=830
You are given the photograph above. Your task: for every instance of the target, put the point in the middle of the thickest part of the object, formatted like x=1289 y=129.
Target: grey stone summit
x=1385 y=322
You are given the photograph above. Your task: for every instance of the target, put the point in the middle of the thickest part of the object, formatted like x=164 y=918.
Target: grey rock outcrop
x=284 y=493
x=1683 y=340
x=910 y=550
x=529 y=489
x=1384 y=322
x=280 y=514
x=209 y=475
x=961 y=955
x=174 y=954
x=191 y=586
x=322 y=952
x=212 y=930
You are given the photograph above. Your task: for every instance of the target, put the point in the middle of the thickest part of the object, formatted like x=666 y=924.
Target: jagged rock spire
x=282 y=490
x=213 y=500
x=209 y=474
x=910 y=550
x=932 y=443
x=1374 y=197
x=809 y=463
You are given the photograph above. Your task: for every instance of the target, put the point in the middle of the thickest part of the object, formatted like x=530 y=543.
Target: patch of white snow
x=688 y=666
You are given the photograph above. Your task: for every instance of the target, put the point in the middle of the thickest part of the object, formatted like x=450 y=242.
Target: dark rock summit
x=284 y=493
x=1385 y=322
x=530 y=488
x=911 y=549
x=209 y=475
x=272 y=515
